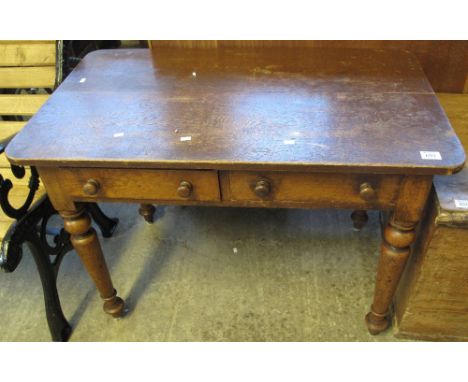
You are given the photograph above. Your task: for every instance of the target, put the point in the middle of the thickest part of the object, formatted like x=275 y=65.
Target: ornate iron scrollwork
x=33 y=230
x=6 y=186
x=48 y=245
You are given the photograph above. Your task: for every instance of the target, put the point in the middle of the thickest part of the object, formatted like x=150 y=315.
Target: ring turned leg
x=359 y=218
x=394 y=253
x=86 y=244
x=147 y=211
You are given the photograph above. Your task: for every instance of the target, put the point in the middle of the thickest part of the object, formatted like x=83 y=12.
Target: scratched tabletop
x=289 y=109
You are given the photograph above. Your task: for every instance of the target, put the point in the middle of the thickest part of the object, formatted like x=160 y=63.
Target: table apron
x=221 y=188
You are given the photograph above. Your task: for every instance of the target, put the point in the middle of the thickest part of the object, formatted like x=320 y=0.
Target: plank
x=456 y=108
x=4 y=163
x=27 y=53
x=27 y=77
x=6 y=173
x=21 y=104
x=17 y=199
x=8 y=128
x=444 y=62
x=4 y=226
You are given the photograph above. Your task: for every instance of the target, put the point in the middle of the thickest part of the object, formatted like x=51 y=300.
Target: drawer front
x=329 y=190
x=123 y=184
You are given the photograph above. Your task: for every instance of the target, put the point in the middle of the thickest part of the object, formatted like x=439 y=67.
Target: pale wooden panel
x=4 y=226
x=456 y=108
x=4 y=163
x=18 y=197
x=8 y=128
x=444 y=62
x=184 y=43
x=27 y=53
x=21 y=104
x=27 y=77
x=7 y=174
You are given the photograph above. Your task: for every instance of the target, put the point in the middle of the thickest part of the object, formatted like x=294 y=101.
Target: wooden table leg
x=394 y=253
x=86 y=243
x=147 y=211
x=359 y=218
x=398 y=236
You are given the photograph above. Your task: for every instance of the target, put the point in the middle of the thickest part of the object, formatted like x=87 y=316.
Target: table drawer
x=331 y=190
x=140 y=184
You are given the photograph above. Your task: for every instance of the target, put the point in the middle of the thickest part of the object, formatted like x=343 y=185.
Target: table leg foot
x=114 y=305
x=377 y=323
x=359 y=218
x=147 y=211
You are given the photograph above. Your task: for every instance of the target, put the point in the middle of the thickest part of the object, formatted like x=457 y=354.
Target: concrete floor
x=213 y=274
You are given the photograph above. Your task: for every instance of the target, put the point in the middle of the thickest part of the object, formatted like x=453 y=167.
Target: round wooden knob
x=367 y=192
x=185 y=189
x=262 y=188
x=91 y=187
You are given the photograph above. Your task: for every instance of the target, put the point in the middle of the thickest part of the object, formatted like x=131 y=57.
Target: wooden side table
x=299 y=128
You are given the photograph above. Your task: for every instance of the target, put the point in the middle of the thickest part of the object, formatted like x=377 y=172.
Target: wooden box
x=432 y=300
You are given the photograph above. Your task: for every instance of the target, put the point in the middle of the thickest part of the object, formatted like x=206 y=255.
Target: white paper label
x=431 y=155
x=183 y=139
x=461 y=204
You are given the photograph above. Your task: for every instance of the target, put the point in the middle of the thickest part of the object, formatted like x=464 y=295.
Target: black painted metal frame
x=48 y=245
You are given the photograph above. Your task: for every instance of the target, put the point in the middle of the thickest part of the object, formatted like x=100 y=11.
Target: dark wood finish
x=321 y=110
x=263 y=128
x=84 y=239
x=367 y=192
x=133 y=185
x=359 y=218
x=185 y=189
x=311 y=189
x=431 y=300
x=445 y=63
x=147 y=211
x=91 y=187
x=399 y=234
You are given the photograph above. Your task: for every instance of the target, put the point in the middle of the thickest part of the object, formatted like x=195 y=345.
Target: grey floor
x=213 y=274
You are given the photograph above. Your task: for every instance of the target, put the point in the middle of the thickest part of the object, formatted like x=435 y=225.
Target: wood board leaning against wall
x=445 y=63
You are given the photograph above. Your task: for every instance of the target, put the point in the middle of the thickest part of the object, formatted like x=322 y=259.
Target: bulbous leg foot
x=114 y=305
x=377 y=323
x=359 y=218
x=147 y=211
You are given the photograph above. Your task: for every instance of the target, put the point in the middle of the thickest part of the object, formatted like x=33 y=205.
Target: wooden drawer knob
x=185 y=189
x=262 y=188
x=367 y=192
x=91 y=187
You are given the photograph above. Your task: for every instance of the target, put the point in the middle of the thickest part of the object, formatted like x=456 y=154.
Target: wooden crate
x=432 y=300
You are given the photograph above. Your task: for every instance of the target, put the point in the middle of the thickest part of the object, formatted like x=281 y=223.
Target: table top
x=310 y=109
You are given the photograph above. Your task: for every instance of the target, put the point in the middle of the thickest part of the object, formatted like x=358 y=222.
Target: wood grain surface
x=454 y=187
x=300 y=109
x=431 y=302
x=27 y=53
x=445 y=63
